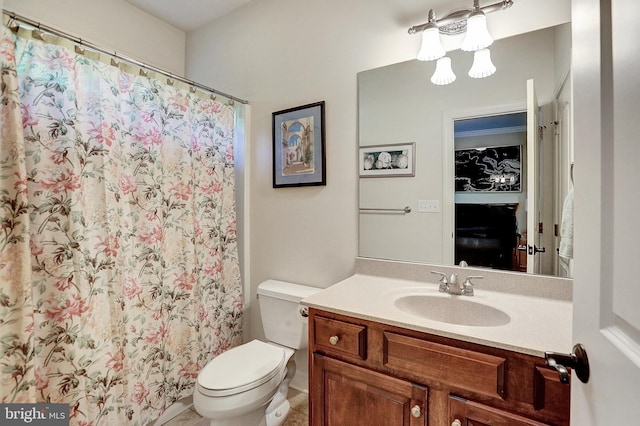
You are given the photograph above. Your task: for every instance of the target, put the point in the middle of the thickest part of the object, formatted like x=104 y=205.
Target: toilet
x=248 y=384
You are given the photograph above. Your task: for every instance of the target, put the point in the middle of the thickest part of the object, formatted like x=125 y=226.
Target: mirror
x=398 y=105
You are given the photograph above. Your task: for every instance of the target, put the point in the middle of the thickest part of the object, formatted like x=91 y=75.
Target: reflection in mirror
x=398 y=104
x=490 y=207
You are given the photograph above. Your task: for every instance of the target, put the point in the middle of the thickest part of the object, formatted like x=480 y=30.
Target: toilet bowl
x=248 y=385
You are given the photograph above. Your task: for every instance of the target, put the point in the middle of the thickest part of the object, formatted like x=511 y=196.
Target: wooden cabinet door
x=469 y=413
x=344 y=394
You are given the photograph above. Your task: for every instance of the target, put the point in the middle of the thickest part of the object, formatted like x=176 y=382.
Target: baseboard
x=301 y=390
x=174 y=410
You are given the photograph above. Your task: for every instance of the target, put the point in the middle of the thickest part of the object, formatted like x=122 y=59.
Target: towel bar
x=404 y=210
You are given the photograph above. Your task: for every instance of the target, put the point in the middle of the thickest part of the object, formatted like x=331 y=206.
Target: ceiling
x=187 y=15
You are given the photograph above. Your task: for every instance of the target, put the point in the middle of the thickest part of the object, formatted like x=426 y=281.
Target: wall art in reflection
x=491 y=169
x=387 y=160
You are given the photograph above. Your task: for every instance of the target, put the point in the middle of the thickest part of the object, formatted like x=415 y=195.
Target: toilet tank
x=280 y=312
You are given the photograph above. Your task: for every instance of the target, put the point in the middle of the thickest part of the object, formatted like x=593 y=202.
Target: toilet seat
x=242 y=368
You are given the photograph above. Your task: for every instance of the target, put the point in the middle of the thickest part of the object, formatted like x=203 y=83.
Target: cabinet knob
x=334 y=340
x=456 y=422
x=416 y=411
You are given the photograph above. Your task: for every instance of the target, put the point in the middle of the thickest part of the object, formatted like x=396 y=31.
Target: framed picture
x=387 y=160
x=491 y=169
x=298 y=146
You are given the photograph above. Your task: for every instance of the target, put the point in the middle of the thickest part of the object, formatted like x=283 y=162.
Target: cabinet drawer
x=339 y=337
x=472 y=413
x=473 y=371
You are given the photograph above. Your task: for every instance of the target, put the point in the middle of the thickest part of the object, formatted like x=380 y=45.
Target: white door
x=606 y=291
x=563 y=180
x=533 y=184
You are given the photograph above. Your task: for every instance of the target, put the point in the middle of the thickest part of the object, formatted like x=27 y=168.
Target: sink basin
x=452 y=310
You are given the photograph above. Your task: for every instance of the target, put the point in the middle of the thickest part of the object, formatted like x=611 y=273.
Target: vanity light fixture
x=473 y=23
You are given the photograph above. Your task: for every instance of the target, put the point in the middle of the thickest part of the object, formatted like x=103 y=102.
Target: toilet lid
x=241 y=368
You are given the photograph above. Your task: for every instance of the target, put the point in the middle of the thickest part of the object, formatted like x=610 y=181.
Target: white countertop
x=537 y=324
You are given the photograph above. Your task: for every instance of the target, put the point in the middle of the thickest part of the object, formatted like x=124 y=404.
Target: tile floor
x=298 y=415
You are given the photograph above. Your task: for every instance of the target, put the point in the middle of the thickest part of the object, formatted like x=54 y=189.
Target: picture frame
x=489 y=169
x=392 y=160
x=299 y=157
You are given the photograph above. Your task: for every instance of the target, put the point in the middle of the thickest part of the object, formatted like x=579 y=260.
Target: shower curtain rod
x=15 y=17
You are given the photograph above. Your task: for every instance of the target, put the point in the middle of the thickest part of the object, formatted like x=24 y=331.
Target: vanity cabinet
x=367 y=373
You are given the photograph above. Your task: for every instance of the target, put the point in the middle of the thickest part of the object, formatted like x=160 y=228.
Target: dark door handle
x=532 y=249
x=577 y=361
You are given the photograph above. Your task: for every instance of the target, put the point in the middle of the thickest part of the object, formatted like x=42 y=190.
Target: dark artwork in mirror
x=495 y=169
x=487 y=235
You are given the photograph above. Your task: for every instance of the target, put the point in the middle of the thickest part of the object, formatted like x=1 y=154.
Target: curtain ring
x=13 y=25
x=37 y=33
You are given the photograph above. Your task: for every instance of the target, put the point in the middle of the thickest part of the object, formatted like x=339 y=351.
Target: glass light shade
x=443 y=73
x=431 y=47
x=482 y=65
x=477 y=36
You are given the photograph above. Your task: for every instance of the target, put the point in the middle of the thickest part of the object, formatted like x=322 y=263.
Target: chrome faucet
x=452 y=285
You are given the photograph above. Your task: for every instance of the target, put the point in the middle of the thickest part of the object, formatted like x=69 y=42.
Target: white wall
x=284 y=53
x=113 y=24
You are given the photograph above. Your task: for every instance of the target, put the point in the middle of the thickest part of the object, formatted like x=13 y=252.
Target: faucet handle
x=475 y=277
x=444 y=284
x=467 y=285
x=443 y=276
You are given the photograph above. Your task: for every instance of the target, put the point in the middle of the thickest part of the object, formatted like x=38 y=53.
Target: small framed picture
x=387 y=160
x=298 y=146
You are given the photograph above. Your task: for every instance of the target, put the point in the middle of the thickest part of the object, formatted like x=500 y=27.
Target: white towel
x=566 y=227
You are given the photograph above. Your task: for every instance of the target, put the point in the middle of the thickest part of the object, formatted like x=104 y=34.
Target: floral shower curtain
x=118 y=258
